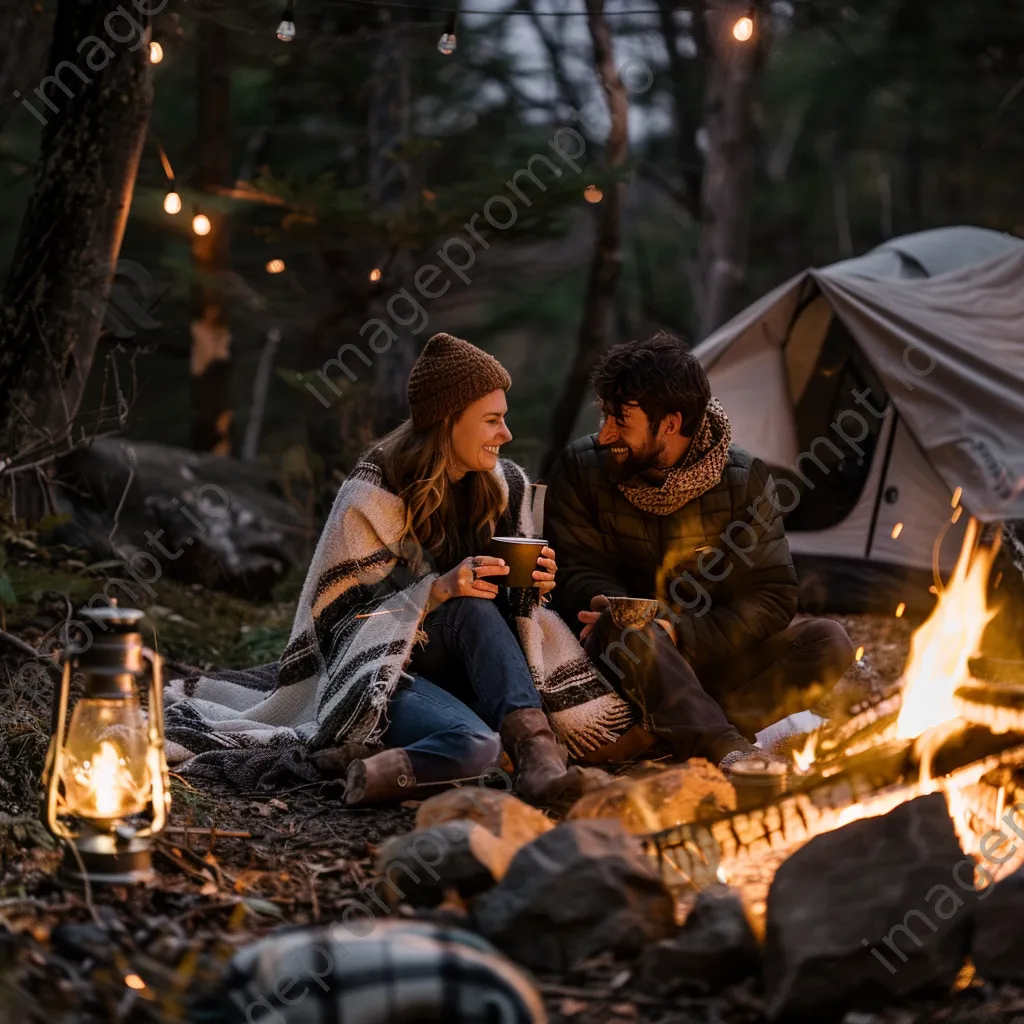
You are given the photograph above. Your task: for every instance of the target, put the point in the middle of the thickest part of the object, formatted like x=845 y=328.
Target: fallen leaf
x=279 y=804
x=264 y=907
x=209 y=889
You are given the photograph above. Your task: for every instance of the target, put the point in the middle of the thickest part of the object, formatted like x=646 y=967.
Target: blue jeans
x=467 y=678
x=473 y=654
x=443 y=738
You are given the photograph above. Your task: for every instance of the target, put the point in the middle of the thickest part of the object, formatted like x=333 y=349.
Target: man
x=660 y=504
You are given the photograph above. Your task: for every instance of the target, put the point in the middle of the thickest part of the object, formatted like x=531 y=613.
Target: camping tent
x=881 y=390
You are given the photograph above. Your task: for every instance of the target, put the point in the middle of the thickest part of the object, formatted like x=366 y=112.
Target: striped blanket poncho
x=358 y=618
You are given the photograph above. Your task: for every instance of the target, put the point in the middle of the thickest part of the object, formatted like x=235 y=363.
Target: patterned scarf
x=699 y=471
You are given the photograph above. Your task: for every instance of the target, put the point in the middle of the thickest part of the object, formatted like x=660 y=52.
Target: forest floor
x=232 y=866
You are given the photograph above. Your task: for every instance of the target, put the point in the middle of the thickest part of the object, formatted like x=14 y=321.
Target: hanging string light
x=446 y=44
x=286 y=29
x=201 y=224
x=172 y=201
x=743 y=30
x=275 y=267
x=156 y=53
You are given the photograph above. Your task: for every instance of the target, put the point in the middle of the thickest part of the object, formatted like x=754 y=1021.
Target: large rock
x=581 y=889
x=715 y=948
x=421 y=868
x=663 y=799
x=868 y=914
x=997 y=946
x=502 y=814
x=194 y=517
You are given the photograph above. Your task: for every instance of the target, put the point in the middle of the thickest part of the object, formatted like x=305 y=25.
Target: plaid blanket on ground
x=358 y=617
x=400 y=973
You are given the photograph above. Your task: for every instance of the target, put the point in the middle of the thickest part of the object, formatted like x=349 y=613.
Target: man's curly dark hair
x=659 y=374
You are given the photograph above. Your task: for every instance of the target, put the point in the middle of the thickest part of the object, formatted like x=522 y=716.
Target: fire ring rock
x=869 y=914
x=716 y=947
x=997 y=946
x=581 y=889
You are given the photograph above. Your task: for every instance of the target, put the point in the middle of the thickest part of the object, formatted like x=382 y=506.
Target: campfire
x=944 y=731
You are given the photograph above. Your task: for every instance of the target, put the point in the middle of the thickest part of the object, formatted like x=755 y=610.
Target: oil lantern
x=107 y=792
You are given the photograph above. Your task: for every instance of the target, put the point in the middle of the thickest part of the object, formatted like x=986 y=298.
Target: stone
x=869 y=914
x=423 y=867
x=715 y=948
x=78 y=942
x=191 y=516
x=582 y=889
x=694 y=791
x=997 y=945
x=505 y=816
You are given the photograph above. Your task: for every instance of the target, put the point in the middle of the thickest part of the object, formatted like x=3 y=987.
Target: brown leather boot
x=541 y=774
x=384 y=776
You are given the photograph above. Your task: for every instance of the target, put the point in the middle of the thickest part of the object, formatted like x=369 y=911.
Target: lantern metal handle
x=155 y=753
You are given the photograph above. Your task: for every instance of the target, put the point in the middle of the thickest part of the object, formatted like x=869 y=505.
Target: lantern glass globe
x=106 y=763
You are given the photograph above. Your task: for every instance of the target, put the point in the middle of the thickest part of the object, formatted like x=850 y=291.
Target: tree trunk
x=95 y=116
x=389 y=129
x=18 y=23
x=606 y=265
x=686 y=77
x=728 y=166
x=210 y=363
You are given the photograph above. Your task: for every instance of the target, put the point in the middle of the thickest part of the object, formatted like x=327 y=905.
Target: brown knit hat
x=449 y=375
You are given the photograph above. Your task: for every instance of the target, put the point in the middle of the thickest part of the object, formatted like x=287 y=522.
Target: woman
x=405 y=656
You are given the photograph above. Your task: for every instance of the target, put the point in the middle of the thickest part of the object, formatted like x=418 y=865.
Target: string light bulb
x=446 y=44
x=172 y=203
x=743 y=30
x=156 y=53
x=286 y=29
x=593 y=194
x=275 y=266
x=201 y=224
x=375 y=274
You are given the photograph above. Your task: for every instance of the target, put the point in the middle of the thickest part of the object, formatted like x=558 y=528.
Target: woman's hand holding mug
x=467 y=579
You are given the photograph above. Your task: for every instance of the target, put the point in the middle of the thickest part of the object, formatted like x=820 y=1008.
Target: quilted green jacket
x=721 y=562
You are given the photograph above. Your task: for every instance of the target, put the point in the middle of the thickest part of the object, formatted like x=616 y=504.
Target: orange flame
x=803 y=759
x=940 y=648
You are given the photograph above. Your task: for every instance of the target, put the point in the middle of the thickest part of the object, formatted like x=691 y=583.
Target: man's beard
x=644 y=462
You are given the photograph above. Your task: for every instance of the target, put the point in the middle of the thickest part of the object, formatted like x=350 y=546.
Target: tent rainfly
x=883 y=391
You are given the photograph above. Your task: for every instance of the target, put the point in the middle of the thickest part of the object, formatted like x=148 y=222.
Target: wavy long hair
x=418 y=465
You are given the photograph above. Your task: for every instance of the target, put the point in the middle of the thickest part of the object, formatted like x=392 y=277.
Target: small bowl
x=520 y=554
x=633 y=612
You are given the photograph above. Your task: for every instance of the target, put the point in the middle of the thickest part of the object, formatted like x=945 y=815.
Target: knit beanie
x=449 y=375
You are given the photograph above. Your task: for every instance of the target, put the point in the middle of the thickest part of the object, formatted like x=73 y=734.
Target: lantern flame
x=941 y=647
x=108 y=781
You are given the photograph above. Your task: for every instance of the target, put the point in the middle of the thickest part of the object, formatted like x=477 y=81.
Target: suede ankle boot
x=384 y=776
x=541 y=774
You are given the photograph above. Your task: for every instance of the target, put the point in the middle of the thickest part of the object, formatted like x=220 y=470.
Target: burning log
x=870 y=784
x=998 y=706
